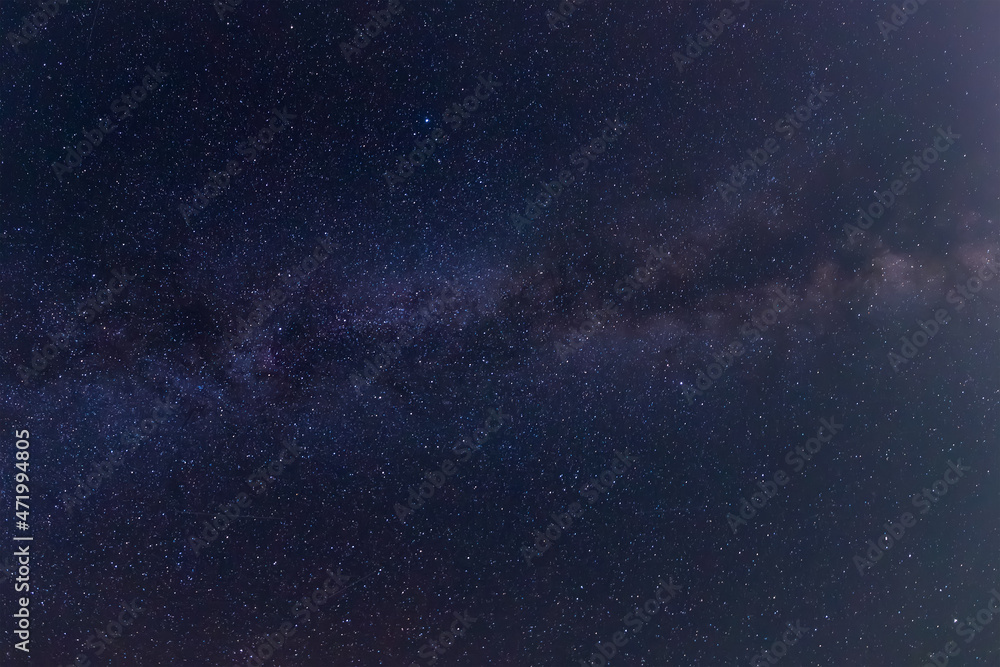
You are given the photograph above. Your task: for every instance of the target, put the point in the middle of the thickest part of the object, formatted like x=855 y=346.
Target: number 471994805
x=22 y=477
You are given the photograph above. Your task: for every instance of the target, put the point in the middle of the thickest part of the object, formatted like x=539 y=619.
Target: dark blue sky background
x=519 y=293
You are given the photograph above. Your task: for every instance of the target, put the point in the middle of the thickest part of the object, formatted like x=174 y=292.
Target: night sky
x=508 y=334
